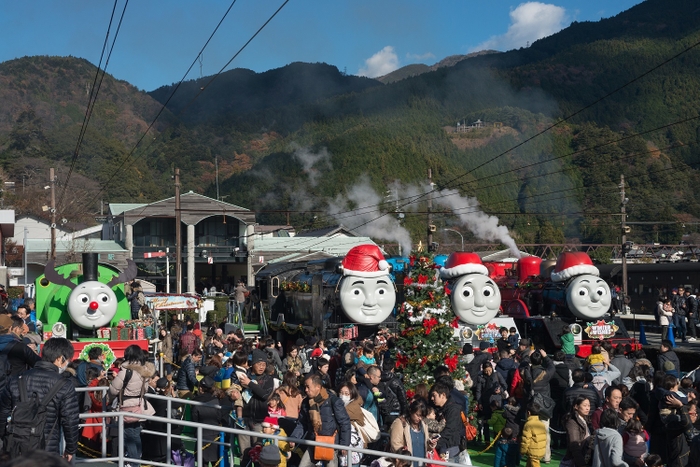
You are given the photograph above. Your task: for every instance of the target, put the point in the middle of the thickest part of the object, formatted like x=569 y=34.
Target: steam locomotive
x=307 y=294
x=542 y=306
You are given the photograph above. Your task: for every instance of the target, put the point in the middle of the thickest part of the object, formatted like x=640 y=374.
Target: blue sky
x=160 y=38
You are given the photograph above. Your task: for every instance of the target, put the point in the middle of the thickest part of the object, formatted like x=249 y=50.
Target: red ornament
x=431 y=296
x=429 y=324
x=401 y=360
x=423 y=361
x=455 y=323
x=451 y=362
x=410 y=394
x=422 y=279
x=407 y=281
x=412 y=260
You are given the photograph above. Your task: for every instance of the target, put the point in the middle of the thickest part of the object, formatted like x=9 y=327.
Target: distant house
x=463 y=127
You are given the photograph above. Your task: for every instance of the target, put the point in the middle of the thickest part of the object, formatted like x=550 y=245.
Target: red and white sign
x=155 y=254
x=210 y=260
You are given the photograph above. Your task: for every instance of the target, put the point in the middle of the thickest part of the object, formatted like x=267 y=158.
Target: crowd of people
x=616 y=408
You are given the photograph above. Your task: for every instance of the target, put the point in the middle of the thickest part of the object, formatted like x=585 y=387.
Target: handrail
x=202 y=426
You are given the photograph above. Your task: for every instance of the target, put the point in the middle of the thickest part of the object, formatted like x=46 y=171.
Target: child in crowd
x=634 y=440
x=270 y=426
x=367 y=358
x=497 y=420
x=513 y=338
x=596 y=355
x=275 y=407
x=240 y=367
x=534 y=439
x=506 y=454
x=670 y=388
x=567 y=343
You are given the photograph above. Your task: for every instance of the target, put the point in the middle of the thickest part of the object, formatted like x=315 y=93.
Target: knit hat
x=573 y=263
x=467 y=349
x=483 y=345
x=366 y=261
x=258 y=356
x=270 y=455
x=300 y=342
x=271 y=422
x=460 y=264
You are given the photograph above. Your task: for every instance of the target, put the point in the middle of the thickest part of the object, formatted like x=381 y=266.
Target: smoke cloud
x=357 y=211
x=312 y=162
x=477 y=221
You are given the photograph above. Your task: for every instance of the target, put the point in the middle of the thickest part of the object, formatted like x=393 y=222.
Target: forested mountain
x=297 y=137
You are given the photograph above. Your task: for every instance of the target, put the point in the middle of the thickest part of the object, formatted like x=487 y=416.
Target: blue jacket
x=334 y=418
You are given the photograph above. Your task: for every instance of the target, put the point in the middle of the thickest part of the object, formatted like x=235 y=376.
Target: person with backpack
x=40 y=405
x=127 y=391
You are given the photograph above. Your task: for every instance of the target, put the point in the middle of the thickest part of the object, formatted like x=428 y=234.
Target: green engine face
x=52 y=300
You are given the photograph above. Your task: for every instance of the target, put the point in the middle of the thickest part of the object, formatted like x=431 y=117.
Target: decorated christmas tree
x=427 y=324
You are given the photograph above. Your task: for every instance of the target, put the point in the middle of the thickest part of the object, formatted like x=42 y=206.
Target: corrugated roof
x=503 y=256
x=79 y=245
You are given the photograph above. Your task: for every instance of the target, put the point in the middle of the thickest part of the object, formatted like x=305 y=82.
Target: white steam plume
x=358 y=212
x=477 y=221
x=311 y=162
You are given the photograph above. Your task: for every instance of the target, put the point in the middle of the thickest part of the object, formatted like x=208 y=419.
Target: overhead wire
x=94 y=91
x=202 y=89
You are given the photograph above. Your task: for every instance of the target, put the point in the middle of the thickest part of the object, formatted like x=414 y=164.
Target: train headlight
x=58 y=330
x=466 y=333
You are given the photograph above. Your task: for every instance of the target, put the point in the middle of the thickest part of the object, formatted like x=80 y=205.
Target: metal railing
x=121 y=459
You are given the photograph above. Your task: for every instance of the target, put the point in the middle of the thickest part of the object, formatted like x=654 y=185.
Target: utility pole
x=52 y=184
x=178 y=234
x=430 y=210
x=625 y=230
x=216 y=164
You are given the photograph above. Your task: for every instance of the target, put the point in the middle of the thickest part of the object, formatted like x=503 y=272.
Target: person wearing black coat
x=450 y=412
x=62 y=411
x=321 y=414
x=506 y=366
x=19 y=355
x=154 y=446
x=210 y=413
x=260 y=386
x=580 y=389
x=187 y=375
x=481 y=356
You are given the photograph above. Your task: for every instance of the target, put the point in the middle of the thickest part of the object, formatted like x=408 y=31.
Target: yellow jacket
x=282 y=445
x=534 y=441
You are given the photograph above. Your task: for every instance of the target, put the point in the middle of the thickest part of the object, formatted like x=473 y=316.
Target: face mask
x=345 y=399
x=61 y=369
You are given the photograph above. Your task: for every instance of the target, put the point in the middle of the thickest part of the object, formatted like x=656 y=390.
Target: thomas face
x=91 y=304
x=588 y=296
x=367 y=300
x=475 y=299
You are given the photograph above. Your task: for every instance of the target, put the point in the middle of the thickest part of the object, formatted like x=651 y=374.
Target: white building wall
x=35 y=229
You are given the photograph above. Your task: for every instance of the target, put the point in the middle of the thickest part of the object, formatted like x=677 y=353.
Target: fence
x=118 y=422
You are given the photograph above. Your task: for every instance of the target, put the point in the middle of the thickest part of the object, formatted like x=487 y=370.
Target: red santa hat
x=366 y=261
x=573 y=263
x=461 y=263
x=271 y=422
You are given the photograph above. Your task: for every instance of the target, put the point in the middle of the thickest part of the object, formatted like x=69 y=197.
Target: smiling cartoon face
x=588 y=296
x=367 y=300
x=475 y=298
x=91 y=304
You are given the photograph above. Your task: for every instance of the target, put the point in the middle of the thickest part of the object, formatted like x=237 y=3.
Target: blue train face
x=588 y=297
x=367 y=300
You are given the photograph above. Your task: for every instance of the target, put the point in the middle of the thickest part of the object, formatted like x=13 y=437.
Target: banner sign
x=601 y=329
x=172 y=302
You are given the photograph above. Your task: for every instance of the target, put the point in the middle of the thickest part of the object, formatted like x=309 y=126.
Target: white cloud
x=528 y=22
x=419 y=57
x=383 y=62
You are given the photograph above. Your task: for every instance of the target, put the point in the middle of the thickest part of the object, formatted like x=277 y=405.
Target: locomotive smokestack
x=528 y=266
x=90 y=266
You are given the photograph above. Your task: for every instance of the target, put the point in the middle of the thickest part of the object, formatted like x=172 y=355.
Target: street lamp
x=458 y=233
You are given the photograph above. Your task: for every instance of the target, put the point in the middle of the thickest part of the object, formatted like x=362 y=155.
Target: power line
x=126 y=159
x=92 y=99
